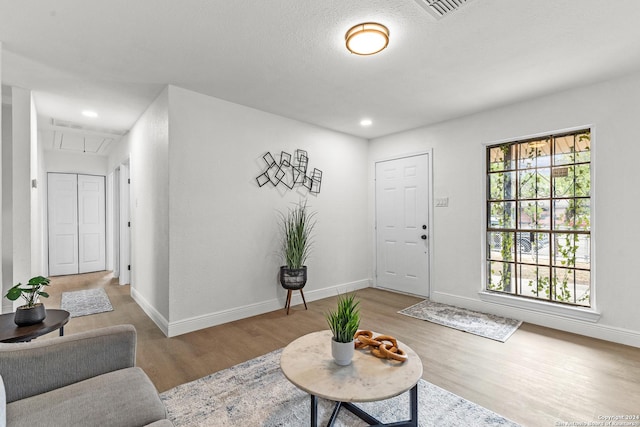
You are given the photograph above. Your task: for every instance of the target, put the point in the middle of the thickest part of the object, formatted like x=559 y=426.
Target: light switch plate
x=442 y=202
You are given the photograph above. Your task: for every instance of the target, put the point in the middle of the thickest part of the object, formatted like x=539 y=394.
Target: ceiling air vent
x=440 y=8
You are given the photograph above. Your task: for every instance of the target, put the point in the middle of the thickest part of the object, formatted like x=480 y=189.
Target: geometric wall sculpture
x=290 y=171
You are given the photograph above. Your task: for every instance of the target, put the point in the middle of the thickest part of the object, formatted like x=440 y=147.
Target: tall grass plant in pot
x=297 y=227
x=344 y=323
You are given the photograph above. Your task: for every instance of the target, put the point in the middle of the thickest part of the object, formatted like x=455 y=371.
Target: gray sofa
x=85 y=379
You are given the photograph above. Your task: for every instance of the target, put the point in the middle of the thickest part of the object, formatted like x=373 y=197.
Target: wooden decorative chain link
x=382 y=346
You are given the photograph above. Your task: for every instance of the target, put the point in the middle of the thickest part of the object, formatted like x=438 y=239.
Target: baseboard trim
x=554 y=321
x=150 y=310
x=208 y=320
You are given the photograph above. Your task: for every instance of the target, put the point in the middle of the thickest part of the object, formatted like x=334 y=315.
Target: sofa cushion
x=32 y=368
x=125 y=397
x=3 y=404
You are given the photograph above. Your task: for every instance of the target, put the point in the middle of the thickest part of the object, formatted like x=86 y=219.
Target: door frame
x=121 y=214
x=430 y=204
x=123 y=224
x=47 y=219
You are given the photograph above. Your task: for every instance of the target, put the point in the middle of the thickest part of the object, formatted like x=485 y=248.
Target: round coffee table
x=10 y=332
x=308 y=364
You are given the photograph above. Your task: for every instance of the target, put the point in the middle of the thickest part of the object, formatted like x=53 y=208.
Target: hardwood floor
x=539 y=377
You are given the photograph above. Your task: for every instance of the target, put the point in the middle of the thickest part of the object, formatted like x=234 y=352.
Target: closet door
x=63 y=223
x=76 y=223
x=91 y=223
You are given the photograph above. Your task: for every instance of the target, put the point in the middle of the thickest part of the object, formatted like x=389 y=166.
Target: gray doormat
x=482 y=324
x=256 y=393
x=85 y=302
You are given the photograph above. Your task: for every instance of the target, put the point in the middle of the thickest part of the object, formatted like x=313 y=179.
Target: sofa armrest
x=40 y=366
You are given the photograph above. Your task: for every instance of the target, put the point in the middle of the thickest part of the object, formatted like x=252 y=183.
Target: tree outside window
x=539 y=218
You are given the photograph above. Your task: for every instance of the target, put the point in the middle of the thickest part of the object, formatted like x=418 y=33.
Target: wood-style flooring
x=539 y=377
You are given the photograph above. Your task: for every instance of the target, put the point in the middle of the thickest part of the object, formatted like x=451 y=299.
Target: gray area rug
x=256 y=393
x=85 y=302
x=485 y=325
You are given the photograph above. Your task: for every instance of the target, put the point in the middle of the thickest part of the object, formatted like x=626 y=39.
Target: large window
x=539 y=218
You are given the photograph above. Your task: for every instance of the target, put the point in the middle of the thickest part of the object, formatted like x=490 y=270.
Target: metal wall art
x=290 y=171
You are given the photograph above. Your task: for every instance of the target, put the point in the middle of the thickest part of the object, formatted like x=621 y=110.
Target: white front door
x=402 y=220
x=91 y=223
x=76 y=216
x=63 y=223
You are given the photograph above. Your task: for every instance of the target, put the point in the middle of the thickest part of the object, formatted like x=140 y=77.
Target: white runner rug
x=485 y=325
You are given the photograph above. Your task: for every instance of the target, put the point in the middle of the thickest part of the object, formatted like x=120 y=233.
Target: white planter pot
x=342 y=352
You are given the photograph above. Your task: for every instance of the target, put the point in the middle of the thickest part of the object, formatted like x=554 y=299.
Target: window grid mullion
x=552 y=231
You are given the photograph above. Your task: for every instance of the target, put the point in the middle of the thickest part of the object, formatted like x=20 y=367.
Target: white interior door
x=63 y=223
x=91 y=223
x=76 y=217
x=402 y=220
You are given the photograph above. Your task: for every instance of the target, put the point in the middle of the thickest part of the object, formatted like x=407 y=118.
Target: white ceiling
x=288 y=57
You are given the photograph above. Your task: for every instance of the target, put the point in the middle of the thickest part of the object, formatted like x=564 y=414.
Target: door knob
x=423 y=237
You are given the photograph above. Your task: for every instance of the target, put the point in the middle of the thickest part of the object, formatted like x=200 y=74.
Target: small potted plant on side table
x=33 y=311
x=344 y=323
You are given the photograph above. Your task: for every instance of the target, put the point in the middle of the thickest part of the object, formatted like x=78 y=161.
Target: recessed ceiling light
x=367 y=38
x=91 y=114
x=366 y=122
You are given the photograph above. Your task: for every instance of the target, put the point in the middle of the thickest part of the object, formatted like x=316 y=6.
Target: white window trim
x=541 y=306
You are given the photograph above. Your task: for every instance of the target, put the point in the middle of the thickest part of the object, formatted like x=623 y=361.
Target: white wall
x=120 y=152
x=21 y=184
x=68 y=162
x=458 y=162
x=148 y=142
x=36 y=172
x=2 y=192
x=22 y=254
x=7 y=208
x=205 y=236
x=224 y=228
x=42 y=217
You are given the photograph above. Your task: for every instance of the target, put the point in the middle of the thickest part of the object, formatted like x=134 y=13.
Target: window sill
x=577 y=313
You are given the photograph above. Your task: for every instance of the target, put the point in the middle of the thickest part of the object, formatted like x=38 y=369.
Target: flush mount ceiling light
x=90 y=114
x=366 y=122
x=367 y=39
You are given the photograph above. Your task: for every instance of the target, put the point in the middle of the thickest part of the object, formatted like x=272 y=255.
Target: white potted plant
x=344 y=323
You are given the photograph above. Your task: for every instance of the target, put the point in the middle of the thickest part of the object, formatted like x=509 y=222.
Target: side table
x=10 y=332
x=308 y=364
